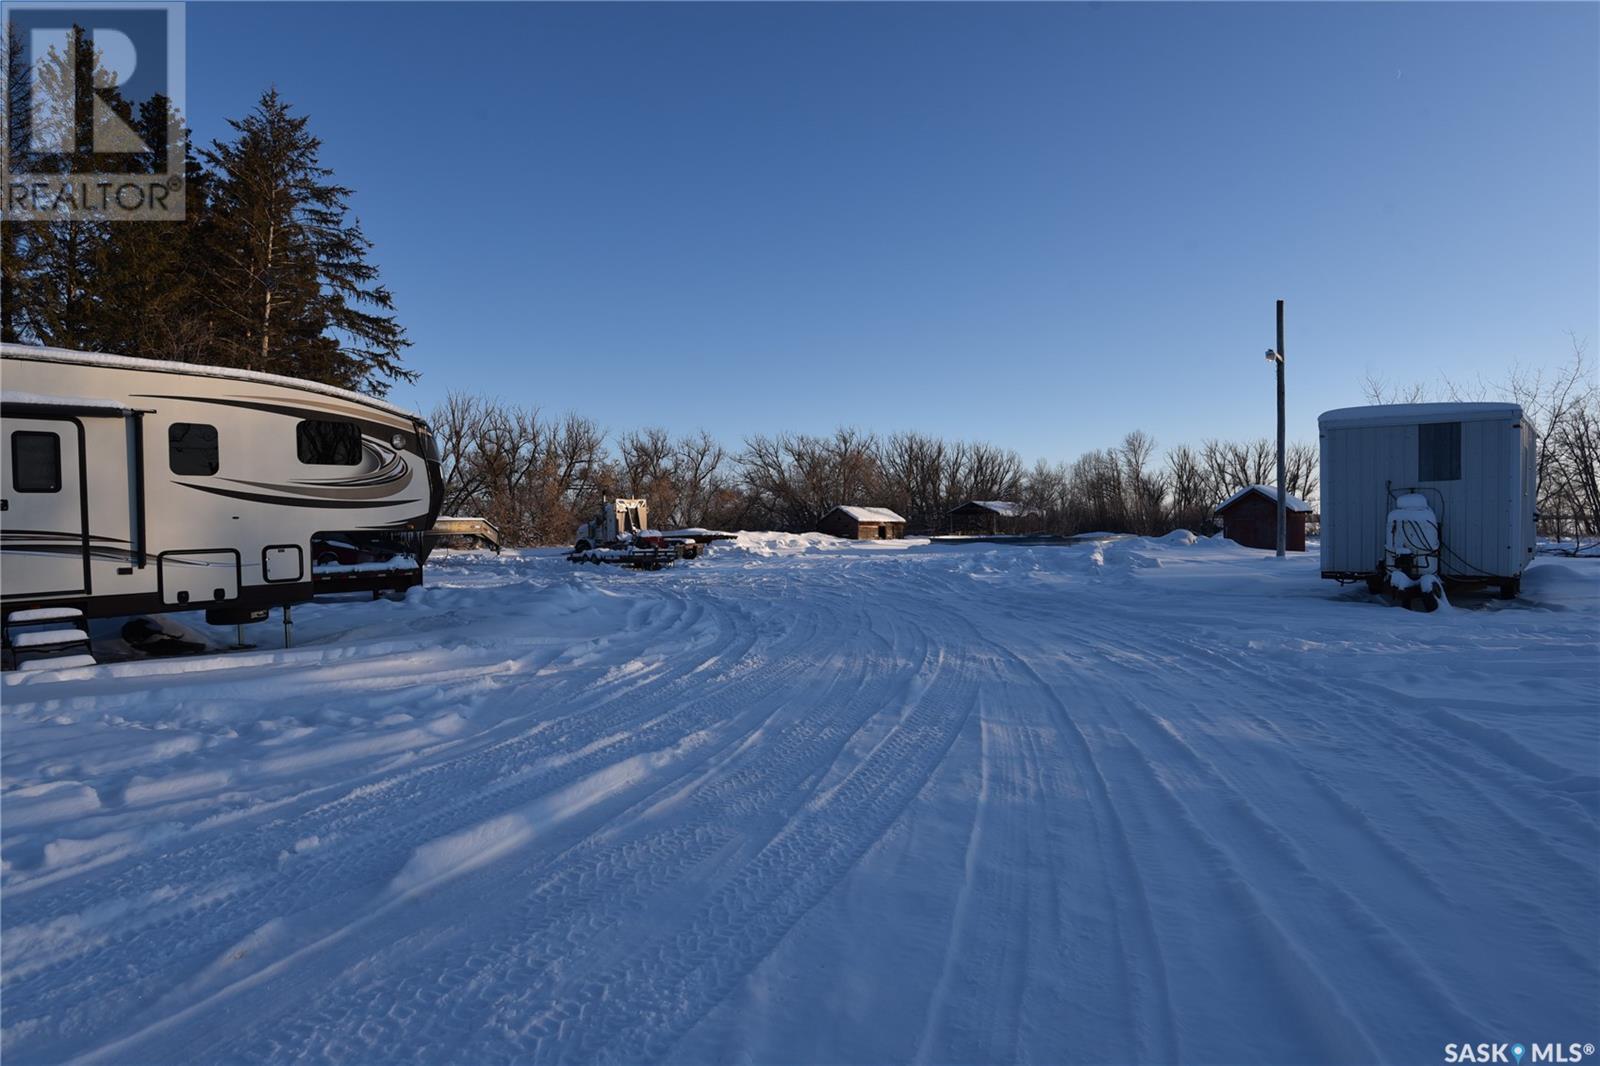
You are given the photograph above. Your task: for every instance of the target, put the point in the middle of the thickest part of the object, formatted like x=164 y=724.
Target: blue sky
x=1042 y=225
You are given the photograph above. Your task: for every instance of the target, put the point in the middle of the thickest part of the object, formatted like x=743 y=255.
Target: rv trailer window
x=192 y=448
x=35 y=461
x=326 y=443
x=1439 y=452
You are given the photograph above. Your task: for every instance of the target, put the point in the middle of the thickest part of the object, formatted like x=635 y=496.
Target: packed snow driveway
x=1124 y=801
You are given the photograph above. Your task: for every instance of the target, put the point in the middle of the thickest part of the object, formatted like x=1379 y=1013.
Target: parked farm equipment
x=621 y=534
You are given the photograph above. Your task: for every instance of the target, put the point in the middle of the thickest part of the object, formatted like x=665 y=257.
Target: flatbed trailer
x=637 y=557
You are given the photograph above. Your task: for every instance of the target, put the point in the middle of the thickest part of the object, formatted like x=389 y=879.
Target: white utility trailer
x=1425 y=493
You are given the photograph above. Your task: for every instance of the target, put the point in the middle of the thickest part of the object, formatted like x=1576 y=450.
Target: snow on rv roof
x=1402 y=414
x=162 y=366
x=1291 y=502
x=36 y=399
x=870 y=514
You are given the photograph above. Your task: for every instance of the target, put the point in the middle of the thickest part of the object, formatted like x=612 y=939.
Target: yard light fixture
x=1273 y=357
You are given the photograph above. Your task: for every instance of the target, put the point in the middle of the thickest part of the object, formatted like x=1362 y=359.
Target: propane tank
x=1411 y=552
x=1411 y=542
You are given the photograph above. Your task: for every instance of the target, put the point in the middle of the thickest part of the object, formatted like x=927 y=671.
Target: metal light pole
x=1276 y=356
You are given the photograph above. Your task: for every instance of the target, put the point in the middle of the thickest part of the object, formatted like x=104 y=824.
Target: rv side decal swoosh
x=69 y=534
x=363 y=418
x=42 y=548
x=122 y=555
x=292 y=501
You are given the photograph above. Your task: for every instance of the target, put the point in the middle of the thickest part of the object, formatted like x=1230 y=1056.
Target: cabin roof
x=1003 y=508
x=869 y=514
x=161 y=366
x=1290 y=501
x=1400 y=414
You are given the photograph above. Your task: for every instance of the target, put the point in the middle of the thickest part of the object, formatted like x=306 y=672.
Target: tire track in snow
x=638 y=1010
x=1310 y=991
x=1396 y=958
x=1155 y=1036
x=324 y=1023
x=1297 y=986
x=557 y=931
x=62 y=996
x=975 y=1013
x=1388 y=734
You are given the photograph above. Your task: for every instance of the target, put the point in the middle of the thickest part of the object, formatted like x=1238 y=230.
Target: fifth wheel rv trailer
x=1415 y=494
x=133 y=486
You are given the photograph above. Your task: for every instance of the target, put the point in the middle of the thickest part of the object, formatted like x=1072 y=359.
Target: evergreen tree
x=10 y=231
x=50 y=265
x=148 y=276
x=287 y=281
x=81 y=282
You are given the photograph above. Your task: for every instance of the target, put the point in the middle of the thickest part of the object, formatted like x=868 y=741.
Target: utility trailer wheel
x=582 y=546
x=1510 y=589
x=1376 y=584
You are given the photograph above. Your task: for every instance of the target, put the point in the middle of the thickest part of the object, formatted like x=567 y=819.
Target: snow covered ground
x=1136 y=800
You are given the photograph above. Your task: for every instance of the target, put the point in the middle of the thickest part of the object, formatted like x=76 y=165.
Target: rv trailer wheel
x=1510 y=589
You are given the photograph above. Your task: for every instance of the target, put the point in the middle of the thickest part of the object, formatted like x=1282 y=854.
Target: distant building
x=988 y=516
x=863 y=523
x=1250 y=517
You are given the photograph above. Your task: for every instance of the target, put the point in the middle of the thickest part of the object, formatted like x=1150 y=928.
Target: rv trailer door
x=44 y=549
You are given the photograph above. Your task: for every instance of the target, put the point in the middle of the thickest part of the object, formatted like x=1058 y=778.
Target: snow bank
x=788 y=544
x=1568 y=584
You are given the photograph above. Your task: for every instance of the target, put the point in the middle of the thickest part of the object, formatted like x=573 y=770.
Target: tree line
x=537 y=476
x=268 y=270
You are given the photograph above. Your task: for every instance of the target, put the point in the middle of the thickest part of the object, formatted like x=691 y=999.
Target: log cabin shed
x=863 y=523
x=987 y=516
x=1250 y=518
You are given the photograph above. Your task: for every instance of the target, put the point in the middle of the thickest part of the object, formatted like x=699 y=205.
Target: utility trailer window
x=1439 y=451
x=328 y=443
x=192 y=448
x=35 y=461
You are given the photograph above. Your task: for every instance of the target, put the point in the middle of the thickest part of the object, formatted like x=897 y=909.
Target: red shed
x=1250 y=517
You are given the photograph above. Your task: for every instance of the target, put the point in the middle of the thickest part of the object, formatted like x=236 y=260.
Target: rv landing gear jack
x=288 y=627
